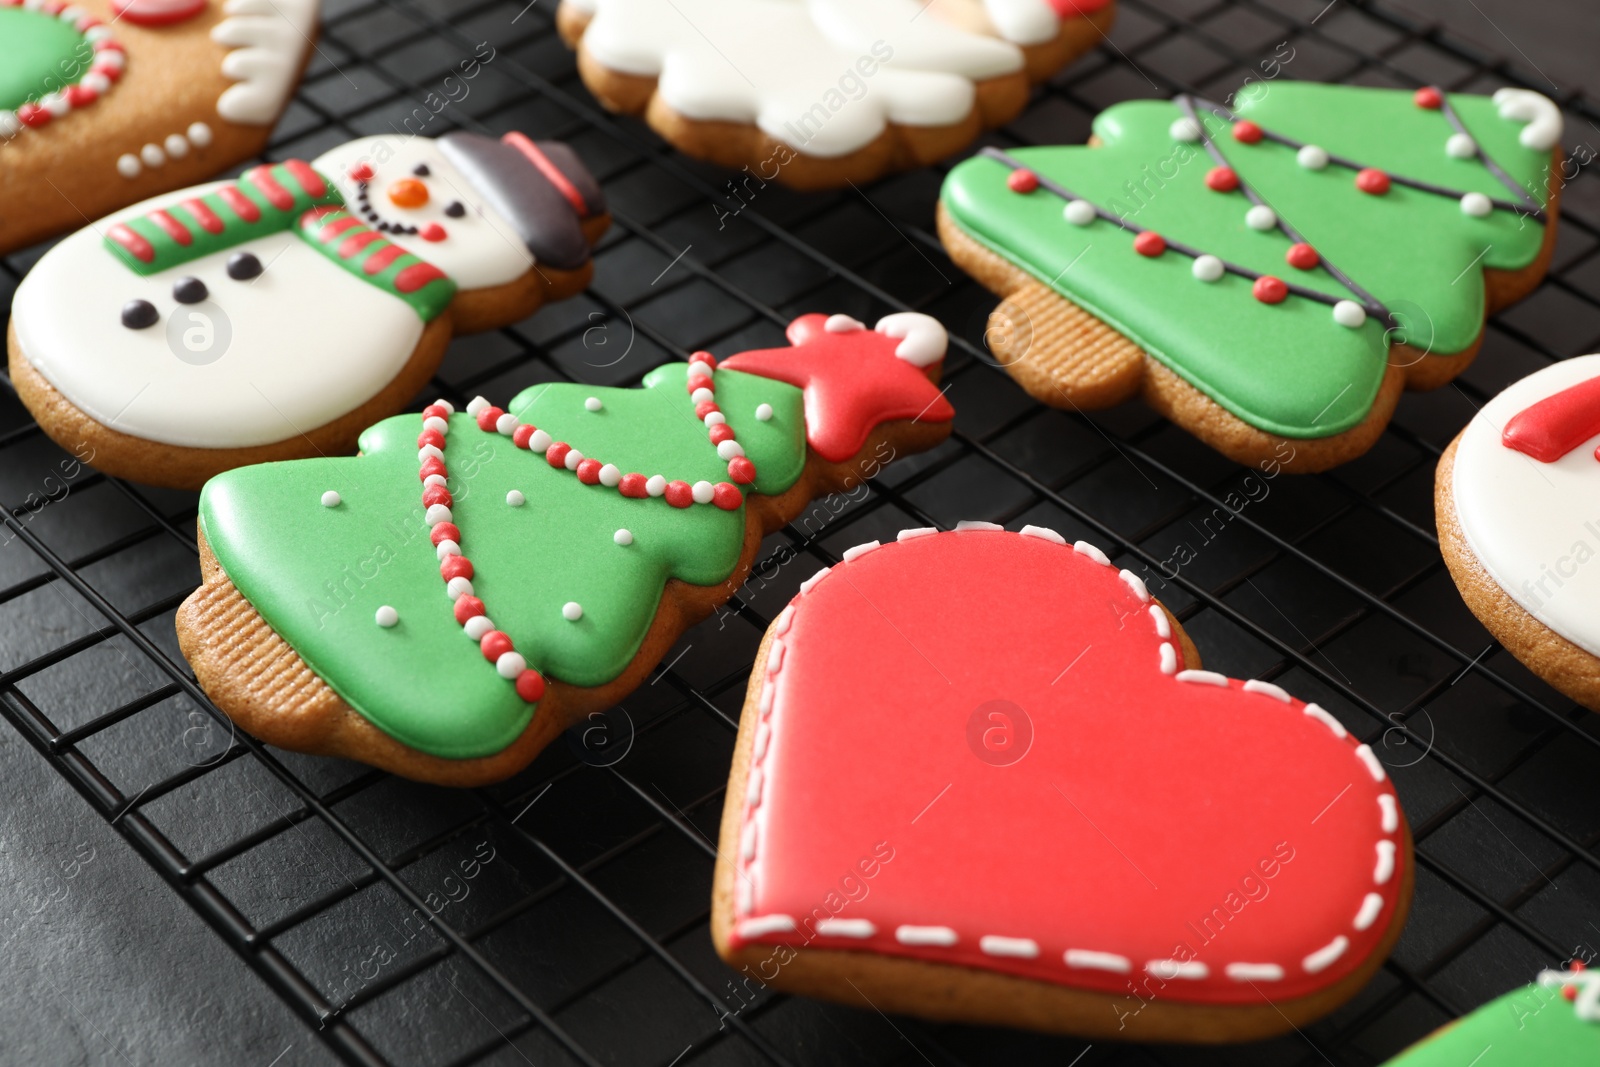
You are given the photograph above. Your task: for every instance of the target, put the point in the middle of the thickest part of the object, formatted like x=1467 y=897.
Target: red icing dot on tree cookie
x=1247 y=132
x=1270 y=290
x=1022 y=181
x=633 y=485
x=679 y=494
x=726 y=496
x=1222 y=179
x=530 y=686
x=1149 y=243
x=1302 y=256
x=467 y=607
x=1372 y=180
x=1428 y=97
x=495 y=644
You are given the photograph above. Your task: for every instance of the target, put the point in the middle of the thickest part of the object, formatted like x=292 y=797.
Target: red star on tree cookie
x=849 y=388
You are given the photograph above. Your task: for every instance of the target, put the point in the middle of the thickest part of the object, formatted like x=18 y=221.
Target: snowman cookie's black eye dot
x=138 y=314
x=421 y=170
x=189 y=290
x=242 y=266
x=455 y=209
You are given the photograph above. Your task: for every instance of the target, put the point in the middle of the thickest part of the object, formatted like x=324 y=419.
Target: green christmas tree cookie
x=1553 y=1023
x=1270 y=277
x=446 y=602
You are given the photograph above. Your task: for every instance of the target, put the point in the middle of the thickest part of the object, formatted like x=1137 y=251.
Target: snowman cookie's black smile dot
x=139 y=314
x=455 y=209
x=189 y=290
x=242 y=266
x=421 y=170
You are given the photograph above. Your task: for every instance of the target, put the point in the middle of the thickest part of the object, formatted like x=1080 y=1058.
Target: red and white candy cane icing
x=1526 y=488
x=1151 y=832
x=110 y=60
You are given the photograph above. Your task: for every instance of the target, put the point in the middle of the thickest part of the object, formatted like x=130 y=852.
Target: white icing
x=1586 y=1004
x=572 y=611
x=1530 y=522
x=1090 y=960
x=1476 y=204
x=924 y=339
x=308 y=341
x=1543 y=118
x=1022 y=948
x=1024 y=21
x=268 y=40
x=1349 y=314
x=1261 y=217
x=1170 y=969
x=856 y=928
x=779 y=64
x=1079 y=212
x=925 y=935
x=1207 y=268
x=1371 y=906
x=1461 y=146
x=765 y=924
x=1312 y=157
x=1254 y=972
x=386 y=616
x=515 y=498
x=481 y=248
x=1325 y=956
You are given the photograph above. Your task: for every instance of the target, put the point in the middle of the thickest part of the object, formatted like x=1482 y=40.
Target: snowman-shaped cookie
x=105 y=102
x=278 y=315
x=1518 y=502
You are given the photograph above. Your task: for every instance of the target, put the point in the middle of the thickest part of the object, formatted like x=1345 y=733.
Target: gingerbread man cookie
x=278 y=315
x=981 y=776
x=448 y=602
x=820 y=93
x=106 y=102
x=1270 y=277
x=1519 y=522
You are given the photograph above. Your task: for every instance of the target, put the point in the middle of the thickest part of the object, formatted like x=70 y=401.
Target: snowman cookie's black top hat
x=542 y=188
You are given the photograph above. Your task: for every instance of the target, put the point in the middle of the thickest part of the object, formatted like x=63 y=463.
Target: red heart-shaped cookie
x=975 y=780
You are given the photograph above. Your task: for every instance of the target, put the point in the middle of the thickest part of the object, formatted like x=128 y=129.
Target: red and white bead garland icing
x=1578 y=984
x=109 y=62
x=455 y=568
x=749 y=926
x=590 y=471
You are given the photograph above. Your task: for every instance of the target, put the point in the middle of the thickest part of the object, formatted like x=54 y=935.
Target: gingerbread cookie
x=106 y=102
x=820 y=93
x=1519 y=524
x=592 y=525
x=980 y=775
x=278 y=315
x=1269 y=278
x=1553 y=1023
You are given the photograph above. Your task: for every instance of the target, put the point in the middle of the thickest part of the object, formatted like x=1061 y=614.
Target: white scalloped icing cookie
x=824 y=91
x=106 y=102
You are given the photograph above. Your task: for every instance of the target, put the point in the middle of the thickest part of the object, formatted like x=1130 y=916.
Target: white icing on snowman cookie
x=823 y=76
x=1535 y=523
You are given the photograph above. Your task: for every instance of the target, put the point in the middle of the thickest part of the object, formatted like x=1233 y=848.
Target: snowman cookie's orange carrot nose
x=408 y=192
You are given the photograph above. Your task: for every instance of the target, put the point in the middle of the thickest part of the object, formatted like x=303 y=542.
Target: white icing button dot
x=1312 y=157
x=456 y=588
x=715 y=418
x=477 y=626
x=730 y=449
x=510 y=664
x=128 y=165
x=199 y=134
x=515 y=498
x=593 y=404
x=330 y=499
x=96 y=81
x=623 y=537
x=10 y=125
x=447 y=547
x=436 y=514
x=1261 y=217
x=703 y=492
x=506 y=424
x=764 y=413
x=655 y=485
x=477 y=404
x=152 y=155
x=572 y=611
x=701 y=395
x=1207 y=268
x=1476 y=204
x=540 y=441
x=573 y=459
x=1079 y=212
x=176 y=146
x=610 y=475
x=1461 y=146
x=386 y=616
x=435 y=423
x=1349 y=313
x=56 y=104
x=1185 y=129
x=432 y=480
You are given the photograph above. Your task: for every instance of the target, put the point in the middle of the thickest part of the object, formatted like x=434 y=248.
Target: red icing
x=1222 y=179
x=1022 y=181
x=530 y=685
x=172 y=227
x=1557 y=424
x=307 y=178
x=380 y=259
x=1247 y=132
x=242 y=205
x=1119 y=810
x=357 y=241
x=1372 y=180
x=156 y=12
x=1270 y=290
x=431 y=231
x=552 y=173
x=135 y=245
x=261 y=177
x=1149 y=243
x=1302 y=256
x=1428 y=97
x=726 y=496
x=201 y=212
x=853 y=382
x=416 y=276
x=679 y=494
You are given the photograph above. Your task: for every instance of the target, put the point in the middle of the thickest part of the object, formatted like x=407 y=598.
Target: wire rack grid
x=561 y=917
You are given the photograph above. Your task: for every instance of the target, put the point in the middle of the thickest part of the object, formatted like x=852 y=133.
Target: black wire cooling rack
x=562 y=917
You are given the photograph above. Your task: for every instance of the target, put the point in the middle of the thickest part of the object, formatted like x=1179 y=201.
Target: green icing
x=43 y=54
x=1287 y=368
x=1531 y=1026
x=318 y=575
